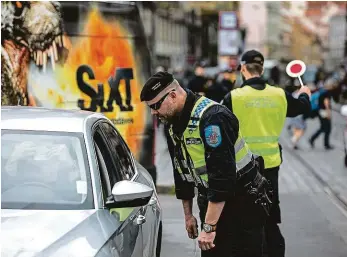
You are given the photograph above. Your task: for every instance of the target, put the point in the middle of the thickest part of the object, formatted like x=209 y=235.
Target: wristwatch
x=208 y=228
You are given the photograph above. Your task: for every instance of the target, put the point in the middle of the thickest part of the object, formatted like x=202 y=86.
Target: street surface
x=313 y=195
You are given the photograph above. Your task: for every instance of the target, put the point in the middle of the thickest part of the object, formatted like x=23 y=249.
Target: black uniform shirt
x=295 y=106
x=219 y=155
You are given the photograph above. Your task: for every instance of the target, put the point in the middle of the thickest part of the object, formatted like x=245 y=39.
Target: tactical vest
x=189 y=157
x=261 y=115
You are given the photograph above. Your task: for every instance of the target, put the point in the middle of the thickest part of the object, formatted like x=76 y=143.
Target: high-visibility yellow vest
x=192 y=167
x=261 y=115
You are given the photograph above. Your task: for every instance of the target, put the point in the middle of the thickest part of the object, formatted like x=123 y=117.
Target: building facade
x=306 y=45
x=173 y=33
x=337 y=36
x=253 y=17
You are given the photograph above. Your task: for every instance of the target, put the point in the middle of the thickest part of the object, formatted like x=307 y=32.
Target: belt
x=246 y=170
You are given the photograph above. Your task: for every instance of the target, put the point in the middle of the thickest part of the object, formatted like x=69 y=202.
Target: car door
x=127 y=240
x=120 y=152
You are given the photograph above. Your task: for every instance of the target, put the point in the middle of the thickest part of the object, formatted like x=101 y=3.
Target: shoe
x=329 y=147
x=296 y=147
x=311 y=143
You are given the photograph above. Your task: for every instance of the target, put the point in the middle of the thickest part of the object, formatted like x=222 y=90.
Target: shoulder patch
x=213 y=135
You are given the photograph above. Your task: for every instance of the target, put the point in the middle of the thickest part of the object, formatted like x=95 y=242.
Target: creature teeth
x=40 y=63
x=52 y=57
x=55 y=51
x=59 y=40
x=64 y=40
x=44 y=57
x=24 y=43
x=38 y=58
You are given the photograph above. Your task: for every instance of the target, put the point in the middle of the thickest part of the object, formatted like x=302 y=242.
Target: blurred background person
x=219 y=88
x=297 y=124
x=198 y=81
x=275 y=76
x=324 y=113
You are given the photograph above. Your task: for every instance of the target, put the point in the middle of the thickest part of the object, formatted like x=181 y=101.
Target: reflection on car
x=71 y=187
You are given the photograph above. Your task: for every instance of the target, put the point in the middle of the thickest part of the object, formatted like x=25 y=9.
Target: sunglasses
x=156 y=106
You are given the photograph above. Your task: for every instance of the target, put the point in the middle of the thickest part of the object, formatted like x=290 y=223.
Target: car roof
x=45 y=119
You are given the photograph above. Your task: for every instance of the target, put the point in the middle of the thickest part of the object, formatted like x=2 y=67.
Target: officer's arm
x=227 y=102
x=217 y=129
x=297 y=106
x=183 y=189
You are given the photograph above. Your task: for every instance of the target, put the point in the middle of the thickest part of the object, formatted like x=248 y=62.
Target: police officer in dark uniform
x=208 y=152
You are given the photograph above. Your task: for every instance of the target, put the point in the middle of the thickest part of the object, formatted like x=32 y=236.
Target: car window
x=44 y=170
x=106 y=161
x=119 y=150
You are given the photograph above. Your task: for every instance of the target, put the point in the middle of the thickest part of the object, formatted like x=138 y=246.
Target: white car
x=71 y=187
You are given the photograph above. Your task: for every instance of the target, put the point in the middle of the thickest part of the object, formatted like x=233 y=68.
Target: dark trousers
x=274 y=241
x=239 y=229
x=325 y=127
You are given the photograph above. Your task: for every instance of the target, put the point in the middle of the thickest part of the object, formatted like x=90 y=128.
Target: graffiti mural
x=97 y=61
x=24 y=39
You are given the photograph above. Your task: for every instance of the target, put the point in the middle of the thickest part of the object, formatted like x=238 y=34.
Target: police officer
x=261 y=110
x=209 y=153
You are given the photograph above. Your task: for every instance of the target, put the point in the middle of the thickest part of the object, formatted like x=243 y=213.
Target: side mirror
x=343 y=110
x=129 y=194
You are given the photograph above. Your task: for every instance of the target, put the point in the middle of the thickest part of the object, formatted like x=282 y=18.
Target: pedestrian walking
x=324 y=113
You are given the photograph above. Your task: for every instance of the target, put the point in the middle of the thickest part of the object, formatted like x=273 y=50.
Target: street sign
x=228 y=20
x=229 y=42
x=295 y=69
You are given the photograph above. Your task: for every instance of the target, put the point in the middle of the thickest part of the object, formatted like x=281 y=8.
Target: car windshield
x=44 y=170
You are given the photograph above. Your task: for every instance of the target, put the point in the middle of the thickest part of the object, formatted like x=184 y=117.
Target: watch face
x=207 y=228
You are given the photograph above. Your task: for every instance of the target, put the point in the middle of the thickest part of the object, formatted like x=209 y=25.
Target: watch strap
x=214 y=227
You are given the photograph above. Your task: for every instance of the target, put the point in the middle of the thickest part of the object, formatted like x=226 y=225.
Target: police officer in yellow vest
x=209 y=153
x=261 y=110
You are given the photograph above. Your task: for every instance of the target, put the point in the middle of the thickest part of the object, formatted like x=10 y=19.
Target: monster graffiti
x=31 y=31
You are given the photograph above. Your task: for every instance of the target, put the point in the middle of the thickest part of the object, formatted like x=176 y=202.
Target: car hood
x=54 y=233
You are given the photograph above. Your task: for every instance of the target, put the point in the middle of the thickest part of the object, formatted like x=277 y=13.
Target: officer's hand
x=305 y=89
x=191 y=226
x=206 y=240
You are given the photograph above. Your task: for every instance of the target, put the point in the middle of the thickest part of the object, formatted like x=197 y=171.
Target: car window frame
x=96 y=129
x=125 y=149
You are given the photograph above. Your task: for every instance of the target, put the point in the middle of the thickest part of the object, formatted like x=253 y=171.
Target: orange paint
x=105 y=48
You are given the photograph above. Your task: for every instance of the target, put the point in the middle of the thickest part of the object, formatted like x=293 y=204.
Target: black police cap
x=155 y=84
x=250 y=57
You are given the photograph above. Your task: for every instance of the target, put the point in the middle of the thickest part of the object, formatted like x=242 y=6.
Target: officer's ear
x=173 y=95
x=243 y=68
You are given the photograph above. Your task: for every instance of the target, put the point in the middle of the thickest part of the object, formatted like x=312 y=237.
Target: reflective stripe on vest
x=261 y=115
x=195 y=147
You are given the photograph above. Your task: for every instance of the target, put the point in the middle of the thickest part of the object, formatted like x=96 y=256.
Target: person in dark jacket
x=198 y=83
x=261 y=110
x=220 y=88
x=208 y=153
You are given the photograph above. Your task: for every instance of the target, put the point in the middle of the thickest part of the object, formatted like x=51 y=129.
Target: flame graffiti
x=103 y=46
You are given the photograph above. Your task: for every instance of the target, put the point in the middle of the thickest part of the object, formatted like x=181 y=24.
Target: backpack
x=315 y=99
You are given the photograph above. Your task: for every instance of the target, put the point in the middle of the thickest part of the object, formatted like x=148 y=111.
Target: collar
x=181 y=121
x=256 y=83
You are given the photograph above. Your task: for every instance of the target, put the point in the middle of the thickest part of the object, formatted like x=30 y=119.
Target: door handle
x=153 y=201
x=140 y=220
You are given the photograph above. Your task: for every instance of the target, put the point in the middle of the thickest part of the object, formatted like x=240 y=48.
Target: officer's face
x=165 y=111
